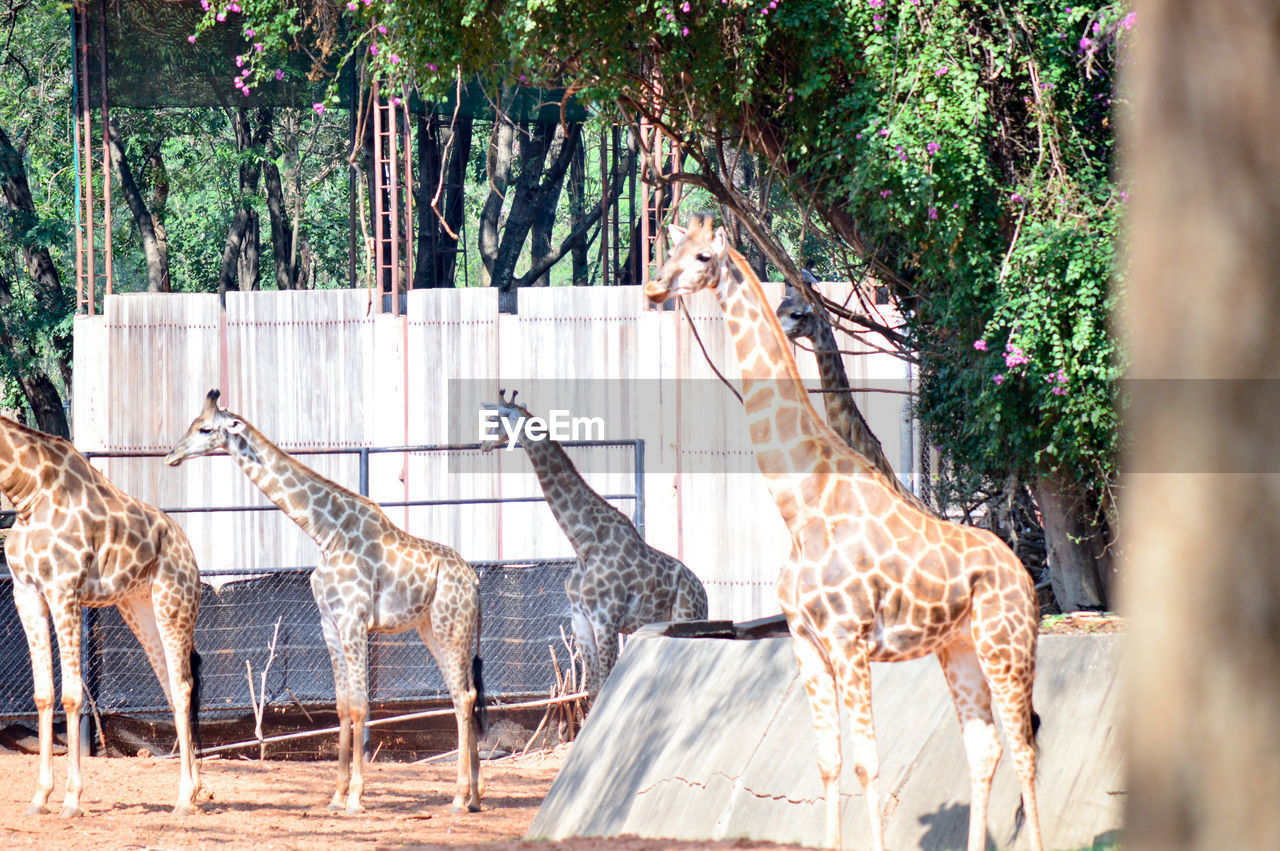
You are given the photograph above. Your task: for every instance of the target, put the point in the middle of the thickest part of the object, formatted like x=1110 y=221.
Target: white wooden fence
x=321 y=369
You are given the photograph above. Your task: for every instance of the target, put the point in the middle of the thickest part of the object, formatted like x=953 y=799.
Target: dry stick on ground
x=260 y=704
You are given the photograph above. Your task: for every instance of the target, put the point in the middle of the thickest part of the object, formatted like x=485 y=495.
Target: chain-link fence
x=248 y=618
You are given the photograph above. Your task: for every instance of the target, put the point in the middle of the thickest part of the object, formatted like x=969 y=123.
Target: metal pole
x=75 y=123
x=375 y=189
x=604 y=229
x=90 y=262
x=639 y=485
x=393 y=202
x=364 y=471
x=408 y=196
x=106 y=153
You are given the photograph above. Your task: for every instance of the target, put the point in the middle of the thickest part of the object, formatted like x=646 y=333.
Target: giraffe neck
x=838 y=399
x=24 y=455
x=792 y=443
x=289 y=483
x=577 y=508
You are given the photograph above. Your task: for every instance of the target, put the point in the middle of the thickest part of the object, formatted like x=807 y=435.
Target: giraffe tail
x=195 y=699
x=1020 y=817
x=481 y=711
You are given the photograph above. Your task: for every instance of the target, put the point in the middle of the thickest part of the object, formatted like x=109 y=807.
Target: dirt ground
x=279 y=804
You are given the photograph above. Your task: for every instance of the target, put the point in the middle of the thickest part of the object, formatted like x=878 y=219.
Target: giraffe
x=372 y=577
x=81 y=541
x=800 y=321
x=620 y=583
x=870 y=576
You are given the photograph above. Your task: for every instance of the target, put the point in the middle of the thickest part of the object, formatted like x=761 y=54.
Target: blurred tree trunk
x=544 y=220
x=577 y=213
x=437 y=250
x=240 y=251
x=1203 y=590
x=281 y=230
x=1077 y=546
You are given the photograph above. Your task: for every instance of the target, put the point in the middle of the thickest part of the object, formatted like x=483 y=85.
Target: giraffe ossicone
x=871 y=577
x=81 y=541
x=620 y=583
x=372 y=577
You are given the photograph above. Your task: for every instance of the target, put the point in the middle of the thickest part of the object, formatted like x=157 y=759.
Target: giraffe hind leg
x=458 y=668
x=972 y=699
x=67 y=624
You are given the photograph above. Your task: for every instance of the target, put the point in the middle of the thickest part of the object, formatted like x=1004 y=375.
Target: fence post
x=368 y=644
x=639 y=486
x=89 y=680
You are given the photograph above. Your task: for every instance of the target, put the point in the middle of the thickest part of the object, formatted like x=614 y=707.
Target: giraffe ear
x=675 y=233
x=720 y=243
x=236 y=426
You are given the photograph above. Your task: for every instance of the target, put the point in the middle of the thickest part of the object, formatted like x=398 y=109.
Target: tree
x=960 y=151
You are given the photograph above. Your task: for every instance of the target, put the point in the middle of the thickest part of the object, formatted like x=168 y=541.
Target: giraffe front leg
x=820 y=686
x=340 y=690
x=853 y=680
x=68 y=626
x=34 y=615
x=355 y=648
x=585 y=636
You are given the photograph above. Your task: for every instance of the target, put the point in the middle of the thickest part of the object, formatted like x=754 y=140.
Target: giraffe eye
x=797 y=315
x=206 y=430
x=704 y=257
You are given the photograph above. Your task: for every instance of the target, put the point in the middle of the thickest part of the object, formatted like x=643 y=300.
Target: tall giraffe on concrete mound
x=800 y=321
x=620 y=582
x=871 y=577
x=81 y=541
x=372 y=577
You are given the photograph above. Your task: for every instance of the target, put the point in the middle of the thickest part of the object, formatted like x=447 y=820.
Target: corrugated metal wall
x=320 y=369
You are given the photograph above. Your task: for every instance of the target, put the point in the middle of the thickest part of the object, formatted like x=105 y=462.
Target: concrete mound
x=710 y=738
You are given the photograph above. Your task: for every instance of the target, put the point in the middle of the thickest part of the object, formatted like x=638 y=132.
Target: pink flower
x=998 y=378
x=1016 y=198
x=395 y=60
x=204 y=4
x=239 y=61
x=685 y=7
x=884 y=131
x=1086 y=43
x=318 y=107
x=980 y=345
x=941 y=71
x=885 y=193
x=368 y=2
x=249 y=33
x=932 y=148
x=1130 y=20
x=395 y=101
x=373 y=48
x=875 y=4
x=933 y=214
x=382 y=30
x=245 y=89
x=258 y=46
x=191 y=39
x=352 y=5
x=684 y=30
x=279 y=73
x=220 y=17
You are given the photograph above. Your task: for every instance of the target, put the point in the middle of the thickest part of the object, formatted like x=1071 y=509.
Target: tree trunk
x=157 y=274
x=159 y=207
x=1202 y=589
x=18 y=220
x=437 y=249
x=248 y=270
x=577 y=213
x=1079 y=560
x=498 y=165
x=281 y=231
x=37 y=388
x=544 y=220
x=228 y=276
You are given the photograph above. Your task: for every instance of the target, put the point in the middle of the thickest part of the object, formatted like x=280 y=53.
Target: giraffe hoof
x=181 y=810
x=37 y=810
x=71 y=811
x=469 y=808
x=354 y=809
x=335 y=806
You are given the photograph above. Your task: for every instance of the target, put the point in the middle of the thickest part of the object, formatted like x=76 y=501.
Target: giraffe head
x=697 y=256
x=207 y=433
x=796 y=314
x=513 y=416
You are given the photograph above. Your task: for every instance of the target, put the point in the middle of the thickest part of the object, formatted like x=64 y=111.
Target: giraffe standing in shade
x=372 y=577
x=620 y=583
x=800 y=321
x=871 y=577
x=81 y=541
